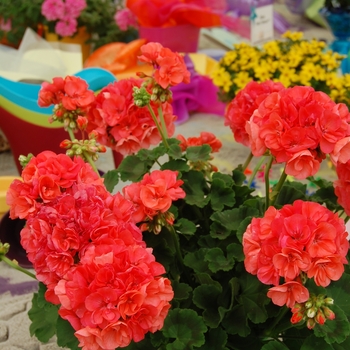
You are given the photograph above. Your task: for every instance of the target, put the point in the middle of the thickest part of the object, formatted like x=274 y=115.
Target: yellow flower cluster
x=291 y=61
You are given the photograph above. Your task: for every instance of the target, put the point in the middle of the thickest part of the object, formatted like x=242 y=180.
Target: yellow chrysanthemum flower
x=242 y=79
x=294 y=36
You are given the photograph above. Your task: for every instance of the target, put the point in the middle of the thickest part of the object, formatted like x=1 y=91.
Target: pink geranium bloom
x=66 y=27
x=170 y=66
x=5 y=25
x=53 y=9
x=327 y=269
x=302 y=165
x=241 y=108
x=124 y=18
x=288 y=294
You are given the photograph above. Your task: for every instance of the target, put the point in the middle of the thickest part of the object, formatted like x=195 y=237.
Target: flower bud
x=4 y=248
x=311 y=312
x=320 y=317
x=328 y=301
x=310 y=323
x=297 y=317
x=66 y=144
x=329 y=314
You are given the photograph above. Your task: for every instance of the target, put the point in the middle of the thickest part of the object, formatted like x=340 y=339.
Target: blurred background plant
x=97 y=16
x=291 y=60
x=336 y=5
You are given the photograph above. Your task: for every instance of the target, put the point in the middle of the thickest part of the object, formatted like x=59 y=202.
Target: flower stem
x=248 y=160
x=71 y=134
x=267 y=182
x=16 y=266
x=90 y=161
x=160 y=129
x=276 y=321
x=177 y=246
x=278 y=187
x=162 y=121
x=256 y=169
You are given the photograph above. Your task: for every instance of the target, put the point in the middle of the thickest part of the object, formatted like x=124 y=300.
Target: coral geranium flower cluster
x=69 y=95
x=297 y=126
x=123 y=126
x=287 y=246
x=87 y=250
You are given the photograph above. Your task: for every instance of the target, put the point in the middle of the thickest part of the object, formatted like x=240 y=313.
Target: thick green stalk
x=160 y=129
x=267 y=182
x=278 y=187
x=16 y=266
x=162 y=121
x=256 y=169
x=248 y=160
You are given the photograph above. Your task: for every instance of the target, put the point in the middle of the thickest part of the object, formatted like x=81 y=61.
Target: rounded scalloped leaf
x=186 y=327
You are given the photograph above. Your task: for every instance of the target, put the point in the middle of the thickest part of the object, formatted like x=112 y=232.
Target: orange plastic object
x=117 y=57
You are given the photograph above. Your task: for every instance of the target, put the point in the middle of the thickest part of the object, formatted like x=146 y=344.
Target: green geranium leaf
x=176 y=165
x=198 y=153
x=215 y=339
x=204 y=278
x=175 y=151
x=152 y=154
x=196 y=261
x=65 y=335
x=340 y=292
x=238 y=176
x=111 y=179
x=253 y=298
x=235 y=251
x=132 y=168
x=186 y=227
x=312 y=343
x=243 y=227
x=217 y=260
x=235 y=322
x=274 y=345
x=221 y=195
x=194 y=186
x=335 y=331
x=43 y=316
x=186 y=327
x=181 y=290
x=206 y=298
x=225 y=178
x=290 y=192
x=229 y=220
x=327 y=196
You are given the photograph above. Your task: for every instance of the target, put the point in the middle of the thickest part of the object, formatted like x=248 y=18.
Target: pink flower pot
x=180 y=38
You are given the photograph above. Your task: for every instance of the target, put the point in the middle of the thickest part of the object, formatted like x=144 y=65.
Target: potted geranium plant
x=185 y=256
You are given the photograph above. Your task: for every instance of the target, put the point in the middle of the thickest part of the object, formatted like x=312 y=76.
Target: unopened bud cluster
x=82 y=148
x=161 y=95
x=4 y=248
x=24 y=160
x=313 y=311
x=68 y=118
x=159 y=221
x=141 y=96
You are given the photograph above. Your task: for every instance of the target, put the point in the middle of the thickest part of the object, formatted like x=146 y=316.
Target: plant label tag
x=261 y=23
